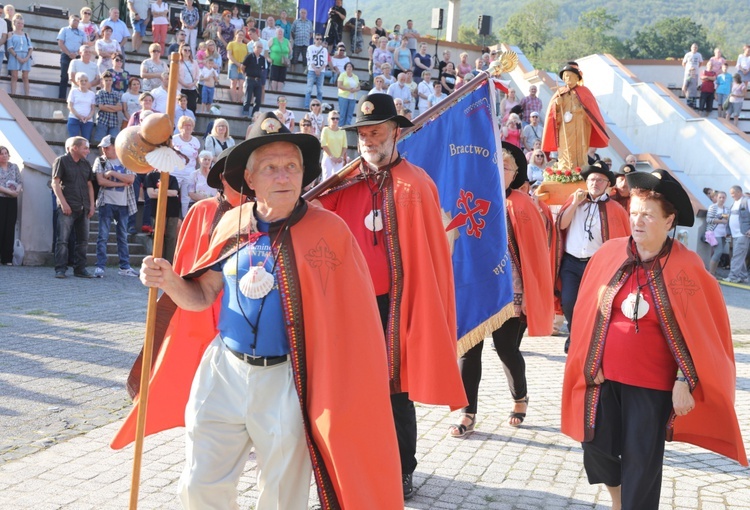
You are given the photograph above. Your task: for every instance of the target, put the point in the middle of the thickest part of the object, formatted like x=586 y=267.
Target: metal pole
x=153 y=294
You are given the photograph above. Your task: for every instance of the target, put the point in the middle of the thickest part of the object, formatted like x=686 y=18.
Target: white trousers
x=234 y=407
x=329 y=167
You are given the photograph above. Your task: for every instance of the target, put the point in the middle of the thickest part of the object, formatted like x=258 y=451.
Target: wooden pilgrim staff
x=142 y=149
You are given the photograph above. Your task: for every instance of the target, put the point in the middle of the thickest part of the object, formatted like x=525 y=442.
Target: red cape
x=422 y=331
x=599 y=137
x=338 y=357
x=615 y=223
x=531 y=238
x=694 y=300
x=186 y=337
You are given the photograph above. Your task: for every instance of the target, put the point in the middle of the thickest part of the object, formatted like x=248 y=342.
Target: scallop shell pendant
x=256 y=283
x=374 y=221
x=629 y=306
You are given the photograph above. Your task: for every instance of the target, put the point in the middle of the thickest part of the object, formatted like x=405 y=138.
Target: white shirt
x=339 y=63
x=403 y=93
x=189 y=149
x=268 y=33
x=734 y=220
x=585 y=221
x=160 y=99
x=83 y=102
x=251 y=47
x=743 y=63
x=164 y=9
x=317 y=57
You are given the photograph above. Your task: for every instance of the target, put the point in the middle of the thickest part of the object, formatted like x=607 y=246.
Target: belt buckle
x=249 y=357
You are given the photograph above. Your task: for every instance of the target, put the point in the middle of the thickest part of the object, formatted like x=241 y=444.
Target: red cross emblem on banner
x=470 y=209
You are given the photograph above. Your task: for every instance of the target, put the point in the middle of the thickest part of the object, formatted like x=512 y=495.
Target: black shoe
x=83 y=274
x=567 y=345
x=60 y=274
x=408 y=486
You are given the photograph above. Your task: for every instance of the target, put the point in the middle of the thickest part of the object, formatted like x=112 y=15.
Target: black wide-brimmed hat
x=662 y=182
x=572 y=67
x=523 y=165
x=214 y=175
x=599 y=167
x=269 y=129
x=625 y=170
x=376 y=109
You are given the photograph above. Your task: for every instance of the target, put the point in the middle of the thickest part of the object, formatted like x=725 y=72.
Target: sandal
x=461 y=430
x=518 y=416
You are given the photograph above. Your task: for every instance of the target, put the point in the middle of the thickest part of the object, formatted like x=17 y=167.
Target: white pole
x=315 y=15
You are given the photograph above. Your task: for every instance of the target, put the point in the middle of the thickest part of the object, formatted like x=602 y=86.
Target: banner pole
x=420 y=121
x=153 y=294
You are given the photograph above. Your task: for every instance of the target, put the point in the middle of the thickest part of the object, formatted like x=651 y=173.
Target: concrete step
x=113 y=262
x=133 y=248
x=44 y=38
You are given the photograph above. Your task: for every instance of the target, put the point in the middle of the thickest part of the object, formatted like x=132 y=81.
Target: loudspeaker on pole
x=484 y=25
x=437 y=19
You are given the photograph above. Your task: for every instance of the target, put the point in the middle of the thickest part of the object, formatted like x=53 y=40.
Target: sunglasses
x=315 y=104
x=318 y=38
x=334 y=118
x=86 y=12
x=306 y=125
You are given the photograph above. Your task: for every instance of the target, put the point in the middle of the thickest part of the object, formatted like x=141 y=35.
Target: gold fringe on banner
x=484 y=330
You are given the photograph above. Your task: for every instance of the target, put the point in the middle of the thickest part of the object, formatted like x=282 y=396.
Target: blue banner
x=317 y=12
x=461 y=150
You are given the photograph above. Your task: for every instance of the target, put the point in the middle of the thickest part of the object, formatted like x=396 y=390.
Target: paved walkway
x=66 y=347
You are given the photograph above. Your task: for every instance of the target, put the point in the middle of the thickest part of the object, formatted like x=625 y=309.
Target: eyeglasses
x=334 y=118
x=318 y=38
x=86 y=12
x=315 y=104
x=306 y=125
x=155 y=51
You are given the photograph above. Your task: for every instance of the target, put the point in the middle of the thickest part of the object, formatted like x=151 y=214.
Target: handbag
x=711 y=238
x=725 y=105
x=18 y=253
x=285 y=61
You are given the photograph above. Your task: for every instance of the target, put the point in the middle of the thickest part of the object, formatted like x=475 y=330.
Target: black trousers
x=404 y=413
x=253 y=89
x=628 y=447
x=507 y=342
x=8 y=216
x=707 y=102
x=65 y=61
x=571 y=273
x=192 y=99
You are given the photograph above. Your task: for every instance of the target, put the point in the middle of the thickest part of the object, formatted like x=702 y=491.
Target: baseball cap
x=534 y=114
x=106 y=141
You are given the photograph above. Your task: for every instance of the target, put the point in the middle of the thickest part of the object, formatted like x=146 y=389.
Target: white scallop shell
x=374 y=221
x=256 y=283
x=164 y=159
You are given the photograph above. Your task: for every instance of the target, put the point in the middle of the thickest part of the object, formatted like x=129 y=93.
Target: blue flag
x=461 y=150
x=317 y=12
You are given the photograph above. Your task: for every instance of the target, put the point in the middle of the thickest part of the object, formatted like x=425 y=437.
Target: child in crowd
x=208 y=78
x=200 y=55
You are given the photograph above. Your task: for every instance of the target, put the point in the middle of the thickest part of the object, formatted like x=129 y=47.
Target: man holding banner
x=393 y=209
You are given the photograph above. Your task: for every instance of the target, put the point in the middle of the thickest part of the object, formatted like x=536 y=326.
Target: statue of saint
x=574 y=122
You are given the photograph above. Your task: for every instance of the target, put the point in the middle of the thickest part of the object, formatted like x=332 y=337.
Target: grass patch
x=3 y=325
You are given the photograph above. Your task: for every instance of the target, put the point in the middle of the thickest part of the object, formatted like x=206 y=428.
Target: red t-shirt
x=707 y=85
x=642 y=359
x=353 y=205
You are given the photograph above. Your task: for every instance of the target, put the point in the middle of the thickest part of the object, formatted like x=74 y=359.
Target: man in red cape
x=181 y=336
x=335 y=359
x=584 y=223
x=393 y=210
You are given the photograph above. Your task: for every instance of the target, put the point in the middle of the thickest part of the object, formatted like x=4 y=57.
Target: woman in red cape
x=641 y=318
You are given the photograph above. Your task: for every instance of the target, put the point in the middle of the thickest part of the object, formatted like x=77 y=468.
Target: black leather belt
x=576 y=258
x=259 y=361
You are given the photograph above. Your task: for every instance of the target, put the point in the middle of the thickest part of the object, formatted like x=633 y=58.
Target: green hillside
x=723 y=29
